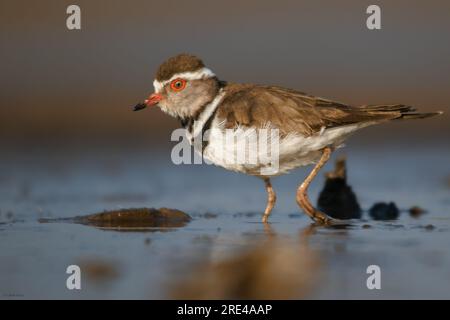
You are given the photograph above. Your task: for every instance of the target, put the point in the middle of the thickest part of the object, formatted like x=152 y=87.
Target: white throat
x=206 y=114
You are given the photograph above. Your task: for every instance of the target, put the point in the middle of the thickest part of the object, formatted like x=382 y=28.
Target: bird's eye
x=178 y=84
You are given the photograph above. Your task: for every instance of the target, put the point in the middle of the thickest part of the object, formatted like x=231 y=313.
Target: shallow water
x=224 y=251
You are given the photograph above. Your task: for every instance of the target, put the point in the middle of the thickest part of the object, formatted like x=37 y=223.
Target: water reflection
x=272 y=268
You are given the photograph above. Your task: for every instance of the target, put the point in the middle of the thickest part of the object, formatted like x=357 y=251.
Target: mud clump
x=131 y=219
x=384 y=211
x=337 y=198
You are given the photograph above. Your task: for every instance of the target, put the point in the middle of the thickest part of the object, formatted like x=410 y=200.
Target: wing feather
x=294 y=111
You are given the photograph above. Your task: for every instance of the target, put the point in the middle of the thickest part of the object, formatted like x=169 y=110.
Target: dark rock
x=384 y=211
x=337 y=198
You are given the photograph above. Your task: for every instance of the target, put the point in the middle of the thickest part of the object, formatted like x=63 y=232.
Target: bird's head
x=182 y=86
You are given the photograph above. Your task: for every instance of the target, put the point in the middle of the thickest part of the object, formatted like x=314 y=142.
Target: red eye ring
x=178 y=84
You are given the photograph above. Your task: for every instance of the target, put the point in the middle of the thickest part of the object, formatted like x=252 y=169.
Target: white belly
x=294 y=150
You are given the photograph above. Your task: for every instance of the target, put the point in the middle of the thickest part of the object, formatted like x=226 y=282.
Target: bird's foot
x=321 y=218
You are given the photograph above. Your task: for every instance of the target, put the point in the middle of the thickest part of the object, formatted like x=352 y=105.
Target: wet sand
x=224 y=251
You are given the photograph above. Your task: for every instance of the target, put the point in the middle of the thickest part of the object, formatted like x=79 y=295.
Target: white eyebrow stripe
x=190 y=75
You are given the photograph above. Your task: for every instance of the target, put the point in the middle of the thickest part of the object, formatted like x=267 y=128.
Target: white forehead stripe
x=202 y=73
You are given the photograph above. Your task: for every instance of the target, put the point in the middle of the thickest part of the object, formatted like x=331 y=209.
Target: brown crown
x=180 y=63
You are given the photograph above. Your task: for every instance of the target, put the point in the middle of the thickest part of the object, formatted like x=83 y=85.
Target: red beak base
x=153 y=99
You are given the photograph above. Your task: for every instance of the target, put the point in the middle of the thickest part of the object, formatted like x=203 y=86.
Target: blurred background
x=64 y=88
x=70 y=145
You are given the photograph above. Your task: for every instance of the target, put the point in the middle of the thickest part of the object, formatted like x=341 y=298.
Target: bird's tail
x=398 y=111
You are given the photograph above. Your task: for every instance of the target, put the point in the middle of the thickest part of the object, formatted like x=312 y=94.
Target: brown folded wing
x=293 y=111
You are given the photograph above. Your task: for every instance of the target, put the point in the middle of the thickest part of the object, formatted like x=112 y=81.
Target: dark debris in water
x=393 y=226
x=131 y=219
x=384 y=211
x=245 y=214
x=337 y=198
x=428 y=227
x=8 y=218
x=9 y=215
x=206 y=215
x=416 y=211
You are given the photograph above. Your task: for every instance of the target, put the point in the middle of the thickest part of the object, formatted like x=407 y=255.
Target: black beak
x=139 y=106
